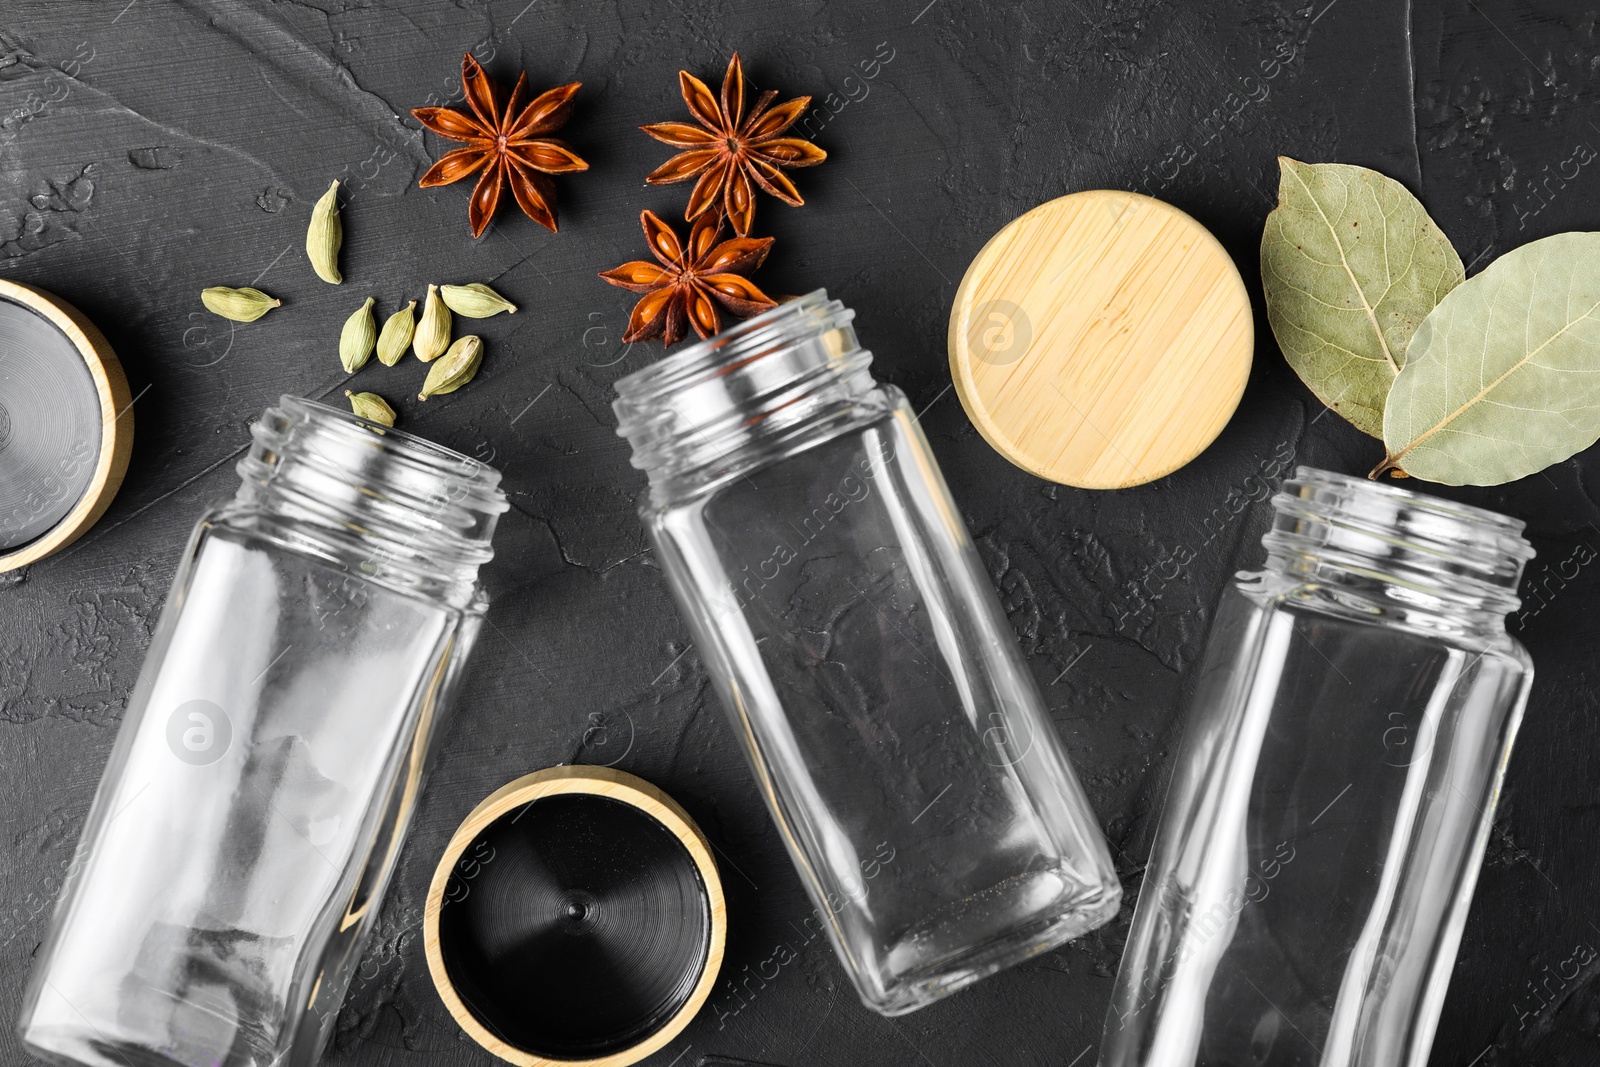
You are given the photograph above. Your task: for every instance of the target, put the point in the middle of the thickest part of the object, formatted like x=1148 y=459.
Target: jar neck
x=379 y=502
x=1379 y=549
x=727 y=404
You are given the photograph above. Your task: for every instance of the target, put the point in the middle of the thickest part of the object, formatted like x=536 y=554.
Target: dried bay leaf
x=1351 y=264
x=1503 y=378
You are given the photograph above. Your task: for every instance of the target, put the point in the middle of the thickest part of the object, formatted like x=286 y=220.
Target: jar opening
x=1433 y=553
x=379 y=501
x=709 y=409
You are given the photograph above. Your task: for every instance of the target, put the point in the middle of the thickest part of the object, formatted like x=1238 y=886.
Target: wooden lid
x=1102 y=340
x=488 y=875
x=56 y=464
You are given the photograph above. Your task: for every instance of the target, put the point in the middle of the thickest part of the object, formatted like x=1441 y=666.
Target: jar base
x=106 y=1045
x=70 y=1050
x=925 y=971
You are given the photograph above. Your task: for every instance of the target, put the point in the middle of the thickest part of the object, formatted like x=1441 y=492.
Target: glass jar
x=1351 y=722
x=856 y=642
x=270 y=756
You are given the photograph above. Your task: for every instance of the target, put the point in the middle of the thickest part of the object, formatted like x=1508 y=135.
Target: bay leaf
x=1503 y=378
x=1351 y=264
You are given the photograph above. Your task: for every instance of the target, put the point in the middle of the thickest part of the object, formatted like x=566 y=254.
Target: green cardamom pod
x=396 y=335
x=475 y=301
x=357 y=337
x=325 y=236
x=433 y=332
x=456 y=369
x=372 y=407
x=240 y=305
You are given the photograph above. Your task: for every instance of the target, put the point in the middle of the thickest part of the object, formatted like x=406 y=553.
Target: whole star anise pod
x=692 y=282
x=737 y=149
x=508 y=145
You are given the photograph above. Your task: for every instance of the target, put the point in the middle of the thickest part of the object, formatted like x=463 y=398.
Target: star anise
x=737 y=149
x=692 y=282
x=508 y=145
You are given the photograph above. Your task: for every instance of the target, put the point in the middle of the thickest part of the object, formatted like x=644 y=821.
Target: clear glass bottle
x=271 y=753
x=854 y=638
x=1350 y=725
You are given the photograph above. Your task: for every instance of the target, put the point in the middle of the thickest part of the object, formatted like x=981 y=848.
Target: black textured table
x=152 y=149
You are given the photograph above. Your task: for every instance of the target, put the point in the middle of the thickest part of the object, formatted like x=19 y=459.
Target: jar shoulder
x=257 y=528
x=876 y=411
x=1271 y=592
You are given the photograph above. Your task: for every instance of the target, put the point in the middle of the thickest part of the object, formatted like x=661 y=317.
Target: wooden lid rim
x=597 y=781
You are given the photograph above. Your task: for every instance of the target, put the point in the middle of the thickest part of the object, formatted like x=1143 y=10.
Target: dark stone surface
x=151 y=149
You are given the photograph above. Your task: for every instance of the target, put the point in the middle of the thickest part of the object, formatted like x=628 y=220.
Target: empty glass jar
x=1344 y=749
x=271 y=754
x=855 y=640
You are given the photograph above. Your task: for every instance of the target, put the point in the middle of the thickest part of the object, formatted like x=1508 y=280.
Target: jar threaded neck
x=380 y=502
x=710 y=409
x=1429 y=554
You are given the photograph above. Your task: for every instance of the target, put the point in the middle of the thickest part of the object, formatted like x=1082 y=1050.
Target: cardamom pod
x=396 y=335
x=240 y=305
x=456 y=369
x=357 y=337
x=475 y=301
x=433 y=332
x=325 y=235
x=372 y=407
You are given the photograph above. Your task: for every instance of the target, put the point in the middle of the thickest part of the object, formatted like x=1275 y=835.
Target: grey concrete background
x=149 y=149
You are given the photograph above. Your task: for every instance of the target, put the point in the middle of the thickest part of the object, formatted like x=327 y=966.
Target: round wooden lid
x=66 y=424
x=1101 y=340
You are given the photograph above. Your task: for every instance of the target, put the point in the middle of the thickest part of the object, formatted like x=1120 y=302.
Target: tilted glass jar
x=271 y=753
x=1344 y=748
x=854 y=638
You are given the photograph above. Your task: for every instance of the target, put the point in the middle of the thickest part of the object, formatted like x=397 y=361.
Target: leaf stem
x=1390 y=463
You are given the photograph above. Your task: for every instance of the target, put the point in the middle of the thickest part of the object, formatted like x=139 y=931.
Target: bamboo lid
x=66 y=424
x=1102 y=340
x=575 y=918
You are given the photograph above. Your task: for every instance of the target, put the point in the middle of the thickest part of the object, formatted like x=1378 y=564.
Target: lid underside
x=50 y=425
